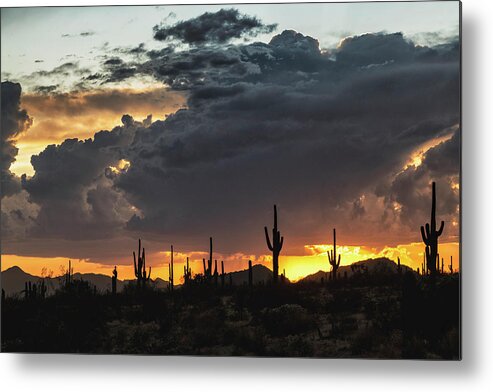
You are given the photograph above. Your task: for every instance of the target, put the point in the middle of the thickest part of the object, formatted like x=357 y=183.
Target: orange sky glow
x=81 y=114
x=296 y=266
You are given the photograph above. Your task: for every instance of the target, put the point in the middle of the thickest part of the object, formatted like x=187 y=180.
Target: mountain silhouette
x=14 y=279
x=379 y=266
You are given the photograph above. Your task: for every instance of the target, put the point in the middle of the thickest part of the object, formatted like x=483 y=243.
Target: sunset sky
x=177 y=123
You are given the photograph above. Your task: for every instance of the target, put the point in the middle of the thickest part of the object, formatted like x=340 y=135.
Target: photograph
x=232 y=180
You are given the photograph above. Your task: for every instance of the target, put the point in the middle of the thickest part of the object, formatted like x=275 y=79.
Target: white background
x=474 y=373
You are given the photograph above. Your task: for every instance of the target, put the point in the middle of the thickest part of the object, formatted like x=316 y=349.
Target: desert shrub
x=287 y=319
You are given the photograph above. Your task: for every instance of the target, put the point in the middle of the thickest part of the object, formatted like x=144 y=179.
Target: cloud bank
x=326 y=135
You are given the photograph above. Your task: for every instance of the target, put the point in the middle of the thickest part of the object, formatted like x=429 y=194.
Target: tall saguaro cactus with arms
x=140 y=268
x=275 y=246
x=430 y=235
x=333 y=259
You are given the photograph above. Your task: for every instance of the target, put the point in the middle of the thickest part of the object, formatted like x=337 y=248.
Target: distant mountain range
x=380 y=266
x=14 y=278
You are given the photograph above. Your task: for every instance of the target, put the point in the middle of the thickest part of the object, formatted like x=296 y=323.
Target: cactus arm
x=339 y=261
x=280 y=243
x=439 y=232
x=423 y=235
x=269 y=245
x=135 y=266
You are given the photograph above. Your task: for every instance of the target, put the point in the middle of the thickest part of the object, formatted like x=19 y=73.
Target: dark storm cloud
x=281 y=123
x=411 y=187
x=292 y=125
x=75 y=198
x=213 y=28
x=14 y=121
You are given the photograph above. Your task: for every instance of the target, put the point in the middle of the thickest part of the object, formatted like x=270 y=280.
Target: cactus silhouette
x=215 y=272
x=430 y=235
x=275 y=246
x=33 y=291
x=399 y=267
x=68 y=274
x=187 y=276
x=222 y=273
x=113 y=281
x=250 y=274
x=450 y=266
x=140 y=268
x=171 y=272
x=334 y=261
x=208 y=268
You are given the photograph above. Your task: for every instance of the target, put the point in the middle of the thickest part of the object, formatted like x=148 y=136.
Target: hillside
x=14 y=279
x=380 y=266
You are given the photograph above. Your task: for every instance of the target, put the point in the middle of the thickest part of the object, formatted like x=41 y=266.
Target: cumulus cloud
x=213 y=28
x=284 y=122
x=75 y=197
x=324 y=135
x=408 y=194
x=14 y=121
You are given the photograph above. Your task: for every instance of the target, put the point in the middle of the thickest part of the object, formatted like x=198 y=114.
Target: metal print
x=276 y=180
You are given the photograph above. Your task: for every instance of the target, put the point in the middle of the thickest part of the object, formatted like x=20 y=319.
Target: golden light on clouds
x=81 y=114
x=416 y=158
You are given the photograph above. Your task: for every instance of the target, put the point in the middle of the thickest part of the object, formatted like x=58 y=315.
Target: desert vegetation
x=372 y=309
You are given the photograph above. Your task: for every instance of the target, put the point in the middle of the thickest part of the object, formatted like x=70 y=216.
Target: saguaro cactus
x=275 y=246
x=250 y=273
x=215 y=272
x=140 y=268
x=68 y=274
x=334 y=261
x=171 y=271
x=450 y=266
x=113 y=281
x=187 y=276
x=430 y=235
x=222 y=273
x=399 y=268
x=209 y=262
